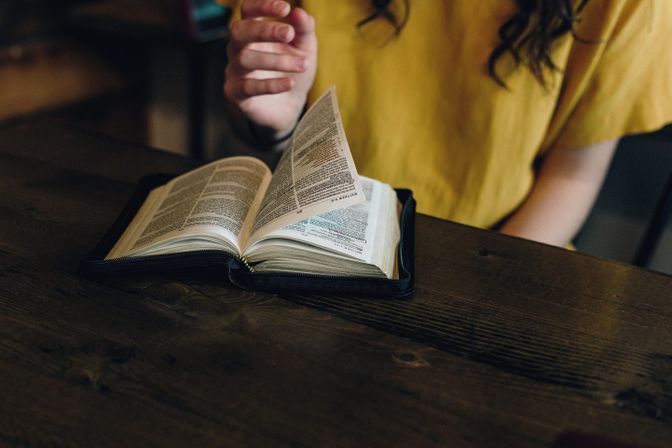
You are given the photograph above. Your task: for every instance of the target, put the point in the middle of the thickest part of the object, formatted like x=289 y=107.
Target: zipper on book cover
x=320 y=276
x=249 y=267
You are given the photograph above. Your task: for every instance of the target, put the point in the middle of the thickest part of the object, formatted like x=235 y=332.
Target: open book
x=313 y=215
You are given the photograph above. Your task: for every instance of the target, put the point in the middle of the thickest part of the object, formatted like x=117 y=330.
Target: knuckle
x=246 y=7
x=259 y=6
x=243 y=58
x=288 y=63
x=247 y=87
x=271 y=86
x=228 y=93
x=275 y=85
x=273 y=31
x=281 y=63
x=236 y=30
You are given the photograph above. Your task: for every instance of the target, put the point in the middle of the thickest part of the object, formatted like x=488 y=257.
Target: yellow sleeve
x=618 y=76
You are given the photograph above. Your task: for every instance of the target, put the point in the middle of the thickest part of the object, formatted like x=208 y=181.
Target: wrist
x=269 y=138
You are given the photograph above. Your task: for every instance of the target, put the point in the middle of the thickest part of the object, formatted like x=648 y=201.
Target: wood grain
x=506 y=343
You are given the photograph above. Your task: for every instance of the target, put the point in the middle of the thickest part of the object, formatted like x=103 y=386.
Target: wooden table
x=506 y=343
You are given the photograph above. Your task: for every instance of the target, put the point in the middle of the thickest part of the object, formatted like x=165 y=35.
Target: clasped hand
x=272 y=56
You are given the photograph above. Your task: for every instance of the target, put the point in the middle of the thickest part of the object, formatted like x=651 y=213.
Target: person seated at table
x=497 y=114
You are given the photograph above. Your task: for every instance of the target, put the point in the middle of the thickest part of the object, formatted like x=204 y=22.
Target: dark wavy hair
x=528 y=35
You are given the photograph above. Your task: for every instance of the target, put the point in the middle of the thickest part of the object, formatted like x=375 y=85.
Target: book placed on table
x=312 y=225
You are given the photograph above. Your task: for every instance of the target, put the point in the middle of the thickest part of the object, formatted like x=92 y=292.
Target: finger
x=303 y=25
x=248 y=60
x=251 y=9
x=243 y=88
x=232 y=49
x=249 y=31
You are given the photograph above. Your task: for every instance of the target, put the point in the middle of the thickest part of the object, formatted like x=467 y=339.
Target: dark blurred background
x=150 y=72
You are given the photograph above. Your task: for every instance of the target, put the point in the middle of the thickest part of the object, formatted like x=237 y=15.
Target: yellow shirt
x=420 y=110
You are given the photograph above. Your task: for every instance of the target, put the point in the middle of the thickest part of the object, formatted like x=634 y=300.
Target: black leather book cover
x=221 y=264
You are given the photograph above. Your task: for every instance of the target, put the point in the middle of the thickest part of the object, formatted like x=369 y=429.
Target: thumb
x=304 y=27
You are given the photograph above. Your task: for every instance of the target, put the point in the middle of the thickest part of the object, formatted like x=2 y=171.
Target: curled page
x=315 y=175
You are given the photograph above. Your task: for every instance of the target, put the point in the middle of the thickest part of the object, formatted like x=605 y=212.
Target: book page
x=212 y=205
x=316 y=174
x=368 y=232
